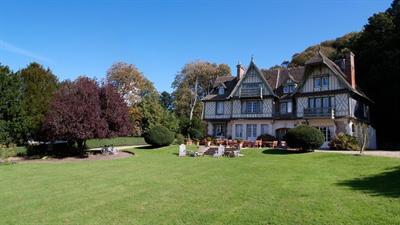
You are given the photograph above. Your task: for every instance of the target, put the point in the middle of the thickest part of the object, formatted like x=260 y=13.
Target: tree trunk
x=194 y=100
x=364 y=139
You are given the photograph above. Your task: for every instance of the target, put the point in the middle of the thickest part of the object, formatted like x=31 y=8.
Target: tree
x=192 y=83
x=130 y=82
x=75 y=113
x=38 y=86
x=12 y=115
x=115 y=112
x=166 y=100
x=139 y=93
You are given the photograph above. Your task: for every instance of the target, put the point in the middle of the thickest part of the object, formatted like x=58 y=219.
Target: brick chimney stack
x=239 y=71
x=350 y=69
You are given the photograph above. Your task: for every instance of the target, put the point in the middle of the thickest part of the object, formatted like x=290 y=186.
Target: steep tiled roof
x=276 y=77
x=229 y=82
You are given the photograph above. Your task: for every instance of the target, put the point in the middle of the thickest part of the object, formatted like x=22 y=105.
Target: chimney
x=349 y=69
x=239 y=71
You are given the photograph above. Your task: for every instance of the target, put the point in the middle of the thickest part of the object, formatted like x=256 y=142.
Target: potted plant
x=240 y=142
x=208 y=139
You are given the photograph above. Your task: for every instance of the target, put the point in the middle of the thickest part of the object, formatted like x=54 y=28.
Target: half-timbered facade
x=322 y=94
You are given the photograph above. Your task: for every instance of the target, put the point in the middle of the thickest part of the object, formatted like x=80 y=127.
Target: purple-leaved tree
x=115 y=112
x=75 y=113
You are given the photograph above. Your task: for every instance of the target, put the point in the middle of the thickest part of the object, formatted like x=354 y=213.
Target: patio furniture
x=258 y=143
x=220 y=151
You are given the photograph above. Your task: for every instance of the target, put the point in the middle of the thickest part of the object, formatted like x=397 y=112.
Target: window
x=220 y=108
x=321 y=83
x=251 y=131
x=325 y=83
x=289 y=88
x=264 y=129
x=251 y=89
x=221 y=90
x=319 y=102
x=365 y=111
x=326 y=132
x=238 y=131
x=285 y=89
x=317 y=84
x=285 y=107
x=219 y=130
x=251 y=107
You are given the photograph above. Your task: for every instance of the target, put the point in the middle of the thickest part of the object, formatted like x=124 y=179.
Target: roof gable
x=252 y=69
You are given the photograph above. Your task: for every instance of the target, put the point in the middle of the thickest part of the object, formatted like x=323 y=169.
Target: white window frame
x=326 y=132
x=221 y=90
x=324 y=79
x=220 y=108
x=239 y=130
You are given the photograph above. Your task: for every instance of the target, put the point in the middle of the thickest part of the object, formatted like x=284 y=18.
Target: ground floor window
x=238 y=131
x=219 y=130
x=264 y=128
x=251 y=131
x=326 y=131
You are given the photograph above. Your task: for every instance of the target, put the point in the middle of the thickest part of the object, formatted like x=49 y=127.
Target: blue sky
x=86 y=37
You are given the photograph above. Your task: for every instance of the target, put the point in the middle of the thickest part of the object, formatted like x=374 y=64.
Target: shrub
x=159 y=136
x=344 y=142
x=304 y=137
x=180 y=139
x=266 y=137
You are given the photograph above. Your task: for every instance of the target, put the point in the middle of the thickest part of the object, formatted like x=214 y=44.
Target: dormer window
x=321 y=83
x=289 y=87
x=221 y=90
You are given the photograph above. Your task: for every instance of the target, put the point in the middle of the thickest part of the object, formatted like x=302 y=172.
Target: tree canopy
x=38 y=87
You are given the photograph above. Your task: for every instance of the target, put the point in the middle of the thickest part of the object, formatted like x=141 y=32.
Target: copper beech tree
x=82 y=110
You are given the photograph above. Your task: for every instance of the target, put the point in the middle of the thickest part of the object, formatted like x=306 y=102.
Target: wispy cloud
x=17 y=50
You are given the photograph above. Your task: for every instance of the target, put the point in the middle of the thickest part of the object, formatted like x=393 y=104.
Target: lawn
x=157 y=187
x=117 y=141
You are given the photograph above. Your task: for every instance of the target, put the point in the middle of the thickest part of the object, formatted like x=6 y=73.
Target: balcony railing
x=282 y=115
x=250 y=92
x=319 y=112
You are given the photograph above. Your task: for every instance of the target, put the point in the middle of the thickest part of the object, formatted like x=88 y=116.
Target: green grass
x=118 y=141
x=157 y=187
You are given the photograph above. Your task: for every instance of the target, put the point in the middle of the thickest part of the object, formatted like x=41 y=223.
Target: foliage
x=304 y=137
x=344 y=142
x=130 y=82
x=166 y=100
x=266 y=137
x=187 y=94
x=179 y=139
x=115 y=112
x=12 y=114
x=58 y=150
x=12 y=151
x=38 y=87
x=192 y=128
x=377 y=52
x=75 y=113
x=377 y=62
x=159 y=136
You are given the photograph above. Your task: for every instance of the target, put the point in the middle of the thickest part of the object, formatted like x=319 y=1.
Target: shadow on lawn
x=277 y=151
x=383 y=184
